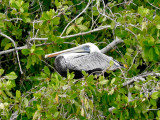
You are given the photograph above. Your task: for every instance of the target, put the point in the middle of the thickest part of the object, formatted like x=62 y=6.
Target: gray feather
x=92 y=62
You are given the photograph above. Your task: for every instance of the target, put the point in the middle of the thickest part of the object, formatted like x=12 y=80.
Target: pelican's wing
x=89 y=62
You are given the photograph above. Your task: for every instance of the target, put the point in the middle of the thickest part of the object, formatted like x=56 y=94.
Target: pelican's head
x=84 y=48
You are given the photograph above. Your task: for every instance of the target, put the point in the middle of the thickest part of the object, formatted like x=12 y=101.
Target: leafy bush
x=30 y=87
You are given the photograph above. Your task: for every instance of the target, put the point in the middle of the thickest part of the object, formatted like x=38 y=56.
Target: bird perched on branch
x=86 y=57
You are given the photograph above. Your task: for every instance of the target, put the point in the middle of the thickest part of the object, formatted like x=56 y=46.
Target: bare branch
x=12 y=50
x=12 y=19
x=103 y=14
x=40 y=39
x=111 y=109
x=111 y=45
x=140 y=77
x=15 y=49
x=20 y=48
x=153 y=5
x=75 y=18
x=84 y=33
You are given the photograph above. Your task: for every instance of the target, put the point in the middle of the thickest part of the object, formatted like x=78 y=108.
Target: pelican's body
x=85 y=57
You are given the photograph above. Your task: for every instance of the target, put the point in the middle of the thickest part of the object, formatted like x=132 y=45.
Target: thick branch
x=12 y=50
x=45 y=39
x=20 y=48
x=111 y=45
x=140 y=78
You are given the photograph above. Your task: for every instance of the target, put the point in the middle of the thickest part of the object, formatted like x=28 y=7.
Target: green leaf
x=11 y=76
x=46 y=70
x=70 y=29
x=14 y=11
x=4 y=42
x=82 y=27
x=1 y=71
x=25 y=51
x=111 y=92
x=33 y=48
x=2 y=16
x=39 y=52
x=146 y=51
x=113 y=80
x=45 y=16
x=56 y=114
x=151 y=54
x=29 y=62
x=144 y=25
x=153 y=102
x=130 y=50
x=26 y=102
x=7 y=46
x=59 y=40
x=158 y=113
x=56 y=20
x=151 y=115
x=58 y=4
x=21 y=10
x=15 y=5
x=112 y=25
x=79 y=20
x=33 y=59
x=1 y=24
x=111 y=63
x=103 y=82
x=36 y=114
x=84 y=73
x=18 y=94
x=158 y=26
x=156 y=50
x=143 y=11
x=26 y=19
x=155 y=95
x=151 y=41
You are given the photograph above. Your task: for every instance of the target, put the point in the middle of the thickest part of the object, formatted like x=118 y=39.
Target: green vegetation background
x=41 y=93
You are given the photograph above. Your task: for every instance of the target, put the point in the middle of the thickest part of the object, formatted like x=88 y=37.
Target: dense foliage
x=30 y=87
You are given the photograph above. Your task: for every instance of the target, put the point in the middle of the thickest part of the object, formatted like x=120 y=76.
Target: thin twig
x=103 y=14
x=15 y=49
x=75 y=18
x=20 y=48
x=153 y=5
x=12 y=19
x=133 y=61
x=84 y=33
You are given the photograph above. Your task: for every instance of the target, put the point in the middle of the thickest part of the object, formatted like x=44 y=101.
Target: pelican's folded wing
x=89 y=62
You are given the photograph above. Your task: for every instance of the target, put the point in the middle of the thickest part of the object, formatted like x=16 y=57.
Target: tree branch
x=75 y=18
x=15 y=49
x=12 y=50
x=111 y=45
x=20 y=48
x=84 y=33
x=140 y=77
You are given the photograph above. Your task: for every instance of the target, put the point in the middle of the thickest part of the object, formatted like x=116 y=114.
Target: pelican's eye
x=86 y=48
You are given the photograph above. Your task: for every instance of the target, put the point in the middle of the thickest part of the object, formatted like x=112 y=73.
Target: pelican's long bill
x=78 y=49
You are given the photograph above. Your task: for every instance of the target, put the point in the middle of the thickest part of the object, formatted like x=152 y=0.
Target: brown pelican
x=85 y=57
